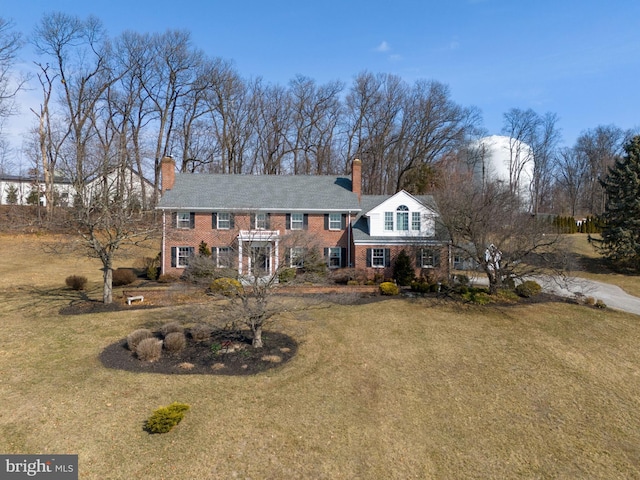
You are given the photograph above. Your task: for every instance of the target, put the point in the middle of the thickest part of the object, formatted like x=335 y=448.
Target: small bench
x=133 y=299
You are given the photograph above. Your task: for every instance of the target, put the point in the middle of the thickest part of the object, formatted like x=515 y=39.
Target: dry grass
x=594 y=271
x=396 y=390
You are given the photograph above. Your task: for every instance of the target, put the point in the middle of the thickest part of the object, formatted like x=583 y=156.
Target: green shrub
x=403 y=271
x=477 y=296
x=123 y=276
x=600 y=304
x=165 y=418
x=151 y=267
x=462 y=279
x=528 y=289
x=175 y=342
x=286 y=275
x=229 y=287
x=171 y=327
x=135 y=337
x=420 y=287
x=353 y=282
x=203 y=249
x=389 y=288
x=201 y=332
x=76 y=282
x=149 y=349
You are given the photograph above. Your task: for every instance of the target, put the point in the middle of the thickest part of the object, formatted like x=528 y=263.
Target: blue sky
x=579 y=59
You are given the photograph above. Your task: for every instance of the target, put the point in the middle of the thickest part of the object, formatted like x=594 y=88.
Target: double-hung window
x=335 y=221
x=428 y=258
x=261 y=221
x=297 y=221
x=296 y=257
x=183 y=220
x=378 y=257
x=223 y=257
x=180 y=256
x=335 y=257
x=388 y=221
x=224 y=221
x=415 y=221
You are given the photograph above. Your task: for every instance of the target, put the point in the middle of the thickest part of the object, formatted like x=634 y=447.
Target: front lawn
x=393 y=389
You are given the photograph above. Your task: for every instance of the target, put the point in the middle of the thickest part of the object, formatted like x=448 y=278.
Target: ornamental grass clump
x=171 y=327
x=149 y=349
x=175 y=342
x=135 y=337
x=165 y=418
x=201 y=332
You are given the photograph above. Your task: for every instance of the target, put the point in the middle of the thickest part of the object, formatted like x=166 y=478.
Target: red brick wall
x=439 y=273
x=314 y=237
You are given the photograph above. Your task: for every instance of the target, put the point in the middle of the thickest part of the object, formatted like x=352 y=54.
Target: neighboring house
x=128 y=182
x=125 y=181
x=254 y=223
x=22 y=188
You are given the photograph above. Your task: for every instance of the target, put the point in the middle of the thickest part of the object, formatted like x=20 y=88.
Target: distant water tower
x=504 y=159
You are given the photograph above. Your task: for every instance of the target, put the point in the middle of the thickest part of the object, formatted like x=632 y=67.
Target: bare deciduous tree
x=490 y=225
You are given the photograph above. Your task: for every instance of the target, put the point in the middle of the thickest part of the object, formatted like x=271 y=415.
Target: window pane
x=428 y=257
x=297 y=220
x=377 y=257
x=335 y=221
x=297 y=257
x=402 y=222
x=183 y=256
x=224 y=257
x=183 y=220
x=415 y=221
x=388 y=220
x=261 y=221
x=224 y=221
x=335 y=254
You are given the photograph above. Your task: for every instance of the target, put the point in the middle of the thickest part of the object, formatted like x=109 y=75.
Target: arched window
x=402 y=218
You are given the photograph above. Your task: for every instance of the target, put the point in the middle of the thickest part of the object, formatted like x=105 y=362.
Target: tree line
x=111 y=103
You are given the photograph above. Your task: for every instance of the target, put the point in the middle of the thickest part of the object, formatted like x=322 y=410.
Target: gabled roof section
x=401 y=197
x=372 y=202
x=260 y=192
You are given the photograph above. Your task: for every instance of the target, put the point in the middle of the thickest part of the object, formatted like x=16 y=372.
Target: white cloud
x=383 y=47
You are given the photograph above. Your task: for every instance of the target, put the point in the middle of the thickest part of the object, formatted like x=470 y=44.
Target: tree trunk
x=107 y=288
x=257 y=336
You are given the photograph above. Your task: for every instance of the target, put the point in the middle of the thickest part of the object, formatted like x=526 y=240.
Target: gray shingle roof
x=260 y=192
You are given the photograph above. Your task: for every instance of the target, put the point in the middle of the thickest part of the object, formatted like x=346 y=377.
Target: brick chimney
x=356 y=177
x=168 y=173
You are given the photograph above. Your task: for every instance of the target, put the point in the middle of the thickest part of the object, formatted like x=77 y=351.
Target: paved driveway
x=613 y=296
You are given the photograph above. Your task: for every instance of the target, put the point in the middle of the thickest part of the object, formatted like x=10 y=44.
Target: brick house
x=258 y=224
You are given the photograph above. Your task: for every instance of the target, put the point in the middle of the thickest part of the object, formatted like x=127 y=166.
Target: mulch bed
x=221 y=354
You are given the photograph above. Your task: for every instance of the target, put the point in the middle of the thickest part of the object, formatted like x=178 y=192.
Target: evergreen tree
x=12 y=195
x=620 y=242
x=402 y=269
